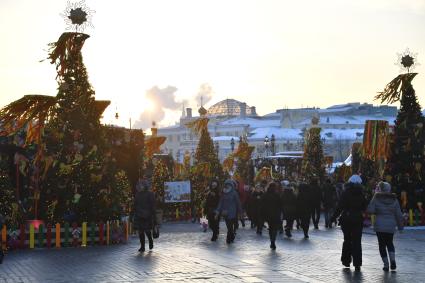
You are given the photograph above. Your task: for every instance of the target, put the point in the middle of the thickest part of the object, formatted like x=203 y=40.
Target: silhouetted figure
x=316 y=203
x=271 y=210
x=350 y=212
x=211 y=204
x=144 y=206
x=289 y=206
x=329 y=201
x=305 y=207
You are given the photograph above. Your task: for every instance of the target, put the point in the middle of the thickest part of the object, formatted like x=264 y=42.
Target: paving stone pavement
x=185 y=254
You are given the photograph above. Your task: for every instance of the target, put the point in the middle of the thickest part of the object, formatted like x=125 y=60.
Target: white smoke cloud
x=205 y=93
x=163 y=99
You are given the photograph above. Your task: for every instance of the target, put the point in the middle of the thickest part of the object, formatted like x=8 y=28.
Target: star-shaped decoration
x=407 y=60
x=77 y=16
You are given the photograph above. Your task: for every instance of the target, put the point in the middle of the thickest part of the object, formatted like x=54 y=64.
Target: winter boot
x=142 y=242
x=392 y=261
x=214 y=237
x=386 y=265
x=273 y=246
x=1 y=255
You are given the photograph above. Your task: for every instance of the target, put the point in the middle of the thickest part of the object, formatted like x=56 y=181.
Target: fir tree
x=405 y=167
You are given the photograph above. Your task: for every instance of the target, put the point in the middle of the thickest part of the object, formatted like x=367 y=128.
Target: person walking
x=350 y=212
x=289 y=206
x=271 y=209
x=256 y=208
x=316 y=202
x=229 y=207
x=144 y=206
x=387 y=209
x=329 y=201
x=243 y=196
x=305 y=207
x=211 y=204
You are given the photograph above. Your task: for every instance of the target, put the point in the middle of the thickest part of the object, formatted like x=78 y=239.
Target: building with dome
x=230 y=120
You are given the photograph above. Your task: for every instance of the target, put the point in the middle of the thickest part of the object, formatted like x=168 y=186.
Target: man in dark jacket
x=271 y=210
x=350 y=212
x=144 y=213
x=329 y=201
x=305 y=207
x=229 y=207
x=289 y=206
x=211 y=204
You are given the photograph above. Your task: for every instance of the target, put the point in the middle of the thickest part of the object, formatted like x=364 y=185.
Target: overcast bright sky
x=270 y=54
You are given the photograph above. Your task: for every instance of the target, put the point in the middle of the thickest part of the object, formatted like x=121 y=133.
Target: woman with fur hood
x=385 y=206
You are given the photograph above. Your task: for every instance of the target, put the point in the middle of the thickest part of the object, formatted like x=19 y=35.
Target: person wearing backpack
x=385 y=206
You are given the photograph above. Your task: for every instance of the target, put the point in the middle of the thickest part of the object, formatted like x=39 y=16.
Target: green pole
x=66 y=235
x=92 y=233
x=40 y=236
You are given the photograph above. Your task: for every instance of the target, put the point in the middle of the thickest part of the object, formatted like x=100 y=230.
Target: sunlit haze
x=269 y=54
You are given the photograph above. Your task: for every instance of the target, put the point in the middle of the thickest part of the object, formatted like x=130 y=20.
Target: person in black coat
x=211 y=204
x=316 y=202
x=289 y=206
x=329 y=201
x=350 y=212
x=271 y=209
x=305 y=206
x=144 y=213
x=256 y=208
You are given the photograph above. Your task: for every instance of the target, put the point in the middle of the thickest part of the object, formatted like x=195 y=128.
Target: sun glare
x=148 y=105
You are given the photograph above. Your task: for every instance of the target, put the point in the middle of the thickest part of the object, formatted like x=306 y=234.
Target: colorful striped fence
x=66 y=235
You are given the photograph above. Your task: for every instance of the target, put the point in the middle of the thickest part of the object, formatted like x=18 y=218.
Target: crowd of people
x=281 y=205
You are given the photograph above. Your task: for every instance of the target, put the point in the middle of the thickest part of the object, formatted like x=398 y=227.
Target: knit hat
x=355 y=179
x=384 y=187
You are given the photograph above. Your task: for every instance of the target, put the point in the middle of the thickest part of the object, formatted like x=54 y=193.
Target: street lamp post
x=232 y=144
x=266 y=144
x=273 y=140
x=216 y=146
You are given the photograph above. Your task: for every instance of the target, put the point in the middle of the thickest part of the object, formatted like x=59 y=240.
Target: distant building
x=230 y=119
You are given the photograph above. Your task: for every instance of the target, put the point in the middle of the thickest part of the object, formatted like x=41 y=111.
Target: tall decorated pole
x=313 y=165
x=405 y=168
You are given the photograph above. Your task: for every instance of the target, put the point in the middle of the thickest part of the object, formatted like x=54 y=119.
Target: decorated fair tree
x=206 y=164
x=159 y=177
x=313 y=165
x=75 y=175
x=9 y=205
x=405 y=168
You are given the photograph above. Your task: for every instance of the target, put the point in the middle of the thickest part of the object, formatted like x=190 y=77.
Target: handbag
x=155 y=232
